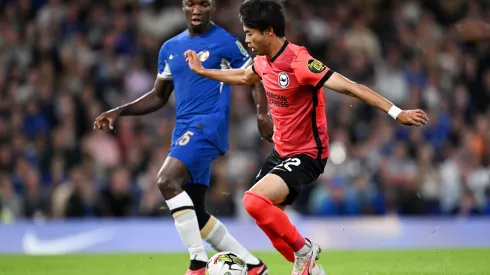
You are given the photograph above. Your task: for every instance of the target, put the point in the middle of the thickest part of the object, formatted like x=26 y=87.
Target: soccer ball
x=226 y=263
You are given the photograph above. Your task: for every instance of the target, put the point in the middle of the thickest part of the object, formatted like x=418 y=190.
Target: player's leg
x=282 y=186
x=270 y=162
x=171 y=177
x=212 y=230
x=286 y=250
x=260 y=204
x=278 y=243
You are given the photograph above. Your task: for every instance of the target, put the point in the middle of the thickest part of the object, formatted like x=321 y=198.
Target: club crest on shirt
x=316 y=66
x=203 y=55
x=283 y=79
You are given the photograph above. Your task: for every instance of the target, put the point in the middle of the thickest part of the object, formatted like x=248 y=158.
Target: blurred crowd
x=62 y=63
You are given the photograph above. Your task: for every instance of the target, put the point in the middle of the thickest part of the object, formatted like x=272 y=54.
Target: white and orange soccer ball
x=226 y=263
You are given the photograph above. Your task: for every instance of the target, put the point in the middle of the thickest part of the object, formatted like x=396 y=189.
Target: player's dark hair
x=262 y=14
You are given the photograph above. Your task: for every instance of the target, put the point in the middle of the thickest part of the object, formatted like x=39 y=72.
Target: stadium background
x=64 y=62
x=385 y=187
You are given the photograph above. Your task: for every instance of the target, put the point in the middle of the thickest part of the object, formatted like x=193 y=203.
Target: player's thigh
x=298 y=173
x=197 y=153
x=271 y=161
x=174 y=169
x=272 y=187
x=171 y=176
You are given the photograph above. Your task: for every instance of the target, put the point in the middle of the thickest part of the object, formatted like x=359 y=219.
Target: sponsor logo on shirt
x=277 y=100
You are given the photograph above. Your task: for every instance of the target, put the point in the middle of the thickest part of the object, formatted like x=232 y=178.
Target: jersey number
x=185 y=138
x=290 y=161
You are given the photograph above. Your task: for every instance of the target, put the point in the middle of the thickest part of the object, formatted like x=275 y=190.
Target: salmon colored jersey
x=293 y=81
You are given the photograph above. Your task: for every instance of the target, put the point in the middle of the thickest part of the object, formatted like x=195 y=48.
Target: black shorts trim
x=297 y=176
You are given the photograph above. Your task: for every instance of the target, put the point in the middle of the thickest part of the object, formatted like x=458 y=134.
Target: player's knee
x=255 y=203
x=169 y=186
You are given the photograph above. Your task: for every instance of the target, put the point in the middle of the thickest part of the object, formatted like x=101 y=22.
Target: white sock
x=304 y=250
x=182 y=210
x=221 y=240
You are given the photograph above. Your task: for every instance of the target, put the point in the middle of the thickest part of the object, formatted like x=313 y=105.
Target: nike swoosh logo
x=261 y=270
x=307 y=270
x=279 y=169
x=31 y=244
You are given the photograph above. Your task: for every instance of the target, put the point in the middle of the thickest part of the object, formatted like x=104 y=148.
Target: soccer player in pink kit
x=294 y=83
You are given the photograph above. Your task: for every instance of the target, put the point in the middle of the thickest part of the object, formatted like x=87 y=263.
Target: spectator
x=64 y=62
x=84 y=200
x=11 y=204
x=116 y=197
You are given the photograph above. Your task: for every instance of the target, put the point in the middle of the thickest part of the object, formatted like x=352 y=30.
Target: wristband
x=394 y=111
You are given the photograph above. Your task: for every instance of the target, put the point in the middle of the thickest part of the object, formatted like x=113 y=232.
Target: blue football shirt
x=201 y=101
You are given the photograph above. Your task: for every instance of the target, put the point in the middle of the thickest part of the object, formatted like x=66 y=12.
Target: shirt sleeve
x=163 y=67
x=236 y=54
x=309 y=71
x=256 y=67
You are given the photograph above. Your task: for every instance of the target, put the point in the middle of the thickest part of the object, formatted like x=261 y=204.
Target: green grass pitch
x=413 y=262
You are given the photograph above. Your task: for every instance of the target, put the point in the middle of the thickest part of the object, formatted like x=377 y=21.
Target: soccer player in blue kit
x=201 y=130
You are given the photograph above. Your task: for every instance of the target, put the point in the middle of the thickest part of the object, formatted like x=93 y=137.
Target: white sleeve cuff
x=164 y=76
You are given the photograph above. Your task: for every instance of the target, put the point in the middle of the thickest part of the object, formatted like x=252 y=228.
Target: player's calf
x=281 y=246
x=272 y=219
x=169 y=180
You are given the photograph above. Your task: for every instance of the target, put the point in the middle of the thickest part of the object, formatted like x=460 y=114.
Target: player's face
x=198 y=14
x=256 y=40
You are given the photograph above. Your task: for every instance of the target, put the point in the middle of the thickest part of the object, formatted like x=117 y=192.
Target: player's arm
x=151 y=101
x=148 y=103
x=313 y=73
x=264 y=121
x=232 y=76
x=473 y=30
x=340 y=84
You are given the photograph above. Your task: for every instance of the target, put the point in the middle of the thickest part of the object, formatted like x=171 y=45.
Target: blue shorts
x=197 y=153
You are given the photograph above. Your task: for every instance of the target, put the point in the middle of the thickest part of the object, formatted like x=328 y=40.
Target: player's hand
x=413 y=118
x=266 y=127
x=193 y=60
x=107 y=119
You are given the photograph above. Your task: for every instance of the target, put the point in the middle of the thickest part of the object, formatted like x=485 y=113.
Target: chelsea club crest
x=203 y=55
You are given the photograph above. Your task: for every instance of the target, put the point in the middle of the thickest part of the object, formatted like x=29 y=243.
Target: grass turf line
x=413 y=262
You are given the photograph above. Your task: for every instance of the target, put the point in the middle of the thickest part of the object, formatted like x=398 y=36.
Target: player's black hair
x=262 y=14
